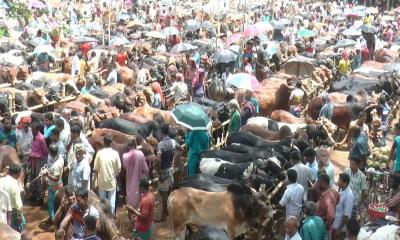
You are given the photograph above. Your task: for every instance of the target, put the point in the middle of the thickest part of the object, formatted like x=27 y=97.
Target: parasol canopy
x=252 y=31
x=368 y=29
x=84 y=39
x=94 y=26
x=277 y=25
x=182 y=47
x=43 y=49
x=169 y=31
x=351 y=32
x=207 y=25
x=191 y=116
x=243 y=81
x=155 y=34
x=233 y=38
x=299 y=66
x=37 y=4
x=343 y=43
x=118 y=41
x=192 y=25
x=305 y=33
x=224 y=56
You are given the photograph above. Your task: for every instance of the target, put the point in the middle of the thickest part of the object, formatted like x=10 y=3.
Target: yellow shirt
x=367 y=20
x=82 y=68
x=344 y=66
x=107 y=165
x=11 y=186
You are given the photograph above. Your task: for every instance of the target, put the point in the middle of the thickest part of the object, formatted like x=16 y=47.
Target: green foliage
x=18 y=9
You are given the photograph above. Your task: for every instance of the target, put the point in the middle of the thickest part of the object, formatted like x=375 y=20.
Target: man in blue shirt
x=327 y=108
x=48 y=125
x=309 y=156
x=359 y=149
x=7 y=134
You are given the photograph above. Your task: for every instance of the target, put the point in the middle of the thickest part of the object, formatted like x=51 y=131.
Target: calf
x=235 y=210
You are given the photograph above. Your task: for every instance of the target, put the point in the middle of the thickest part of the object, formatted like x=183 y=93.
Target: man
x=78 y=137
x=344 y=66
x=143 y=228
x=196 y=142
x=303 y=172
x=24 y=138
x=122 y=58
x=327 y=108
x=79 y=176
x=136 y=168
x=55 y=138
x=357 y=60
x=309 y=156
x=296 y=100
x=77 y=213
x=358 y=184
x=10 y=185
x=359 y=149
x=90 y=228
x=75 y=64
x=293 y=197
x=64 y=129
x=7 y=134
x=43 y=61
x=165 y=155
x=107 y=166
x=313 y=227
x=360 y=122
x=179 y=89
x=5 y=208
x=48 y=125
x=395 y=151
x=37 y=159
x=234 y=112
x=54 y=177
x=112 y=77
x=291 y=226
x=344 y=207
x=353 y=229
x=93 y=63
x=327 y=202
x=324 y=163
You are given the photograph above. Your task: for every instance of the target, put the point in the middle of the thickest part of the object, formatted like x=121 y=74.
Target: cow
x=220 y=168
x=233 y=157
x=8 y=156
x=6 y=232
x=211 y=233
x=286 y=117
x=208 y=183
x=234 y=211
x=128 y=127
x=148 y=112
x=133 y=117
x=267 y=134
x=273 y=125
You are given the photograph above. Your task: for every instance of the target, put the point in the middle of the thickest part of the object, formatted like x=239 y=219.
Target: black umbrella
x=224 y=56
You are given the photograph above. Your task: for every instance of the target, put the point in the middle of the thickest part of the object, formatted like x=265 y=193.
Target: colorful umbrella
x=264 y=26
x=252 y=31
x=243 y=81
x=224 y=56
x=305 y=33
x=169 y=31
x=182 y=47
x=191 y=116
x=233 y=38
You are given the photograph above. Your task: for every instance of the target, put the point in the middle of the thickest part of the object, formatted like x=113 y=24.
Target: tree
x=19 y=10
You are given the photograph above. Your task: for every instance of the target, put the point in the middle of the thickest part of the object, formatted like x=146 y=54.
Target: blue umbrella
x=192 y=25
x=118 y=41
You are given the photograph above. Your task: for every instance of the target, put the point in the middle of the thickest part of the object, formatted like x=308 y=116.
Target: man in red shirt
x=122 y=57
x=145 y=213
x=85 y=48
x=326 y=205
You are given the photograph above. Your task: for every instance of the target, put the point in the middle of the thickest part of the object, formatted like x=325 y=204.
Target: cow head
x=38 y=95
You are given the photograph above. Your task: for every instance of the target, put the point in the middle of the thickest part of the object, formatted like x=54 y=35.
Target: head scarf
x=23 y=121
x=234 y=103
x=156 y=88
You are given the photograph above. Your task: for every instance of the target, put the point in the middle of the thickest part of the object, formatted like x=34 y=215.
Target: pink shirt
x=39 y=147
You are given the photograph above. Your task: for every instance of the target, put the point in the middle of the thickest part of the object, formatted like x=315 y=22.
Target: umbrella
x=264 y=26
x=299 y=66
x=252 y=31
x=43 y=48
x=224 y=56
x=233 y=38
x=37 y=41
x=84 y=39
x=234 y=48
x=155 y=34
x=305 y=33
x=182 y=47
x=368 y=29
x=351 y=32
x=169 y=31
x=93 y=26
x=134 y=24
x=284 y=21
x=359 y=8
x=207 y=25
x=372 y=10
x=37 y=4
x=191 y=116
x=118 y=41
x=243 y=81
x=202 y=45
x=343 y=43
x=122 y=16
x=277 y=25
x=192 y=25
x=397 y=9
x=387 y=18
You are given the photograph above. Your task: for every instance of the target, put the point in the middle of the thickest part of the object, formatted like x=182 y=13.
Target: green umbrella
x=191 y=116
x=303 y=32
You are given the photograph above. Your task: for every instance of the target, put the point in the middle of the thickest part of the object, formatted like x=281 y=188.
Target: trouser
x=52 y=198
x=192 y=163
x=294 y=110
x=110 y=195
x=36 y=187
x=383 y=139
x=18 y=221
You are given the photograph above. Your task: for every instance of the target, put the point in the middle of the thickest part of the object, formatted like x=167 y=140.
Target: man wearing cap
x=107 y=166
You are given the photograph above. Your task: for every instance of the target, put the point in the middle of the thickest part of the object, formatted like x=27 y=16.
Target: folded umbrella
x=224 y=56
x=191 y=116
x=182 y=47
x=243 y=81
x=343 y=43
x=169 y=31
x=192 y=25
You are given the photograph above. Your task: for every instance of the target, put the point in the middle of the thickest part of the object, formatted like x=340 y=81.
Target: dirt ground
x=35 y=215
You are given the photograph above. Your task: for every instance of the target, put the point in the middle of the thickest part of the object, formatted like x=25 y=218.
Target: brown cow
x=78 y=106
x=118 y=137
x=286 y=117
x=235 y=211
x=30 y=98
x=8 y=74
x=128 y=76
x=89 y=99
x=22 y=72
x=148 y=113
x=133 y=117
x=8 y=156
x=267 y=134
x=6 y=232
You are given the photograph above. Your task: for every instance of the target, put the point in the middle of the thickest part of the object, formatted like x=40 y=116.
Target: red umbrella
x=252 y=31
x=233 y=38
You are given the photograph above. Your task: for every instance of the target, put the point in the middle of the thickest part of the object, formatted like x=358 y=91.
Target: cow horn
x=253 y=191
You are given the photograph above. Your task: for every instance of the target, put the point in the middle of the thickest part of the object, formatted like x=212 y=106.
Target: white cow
x=388 y=232
x=264 y=122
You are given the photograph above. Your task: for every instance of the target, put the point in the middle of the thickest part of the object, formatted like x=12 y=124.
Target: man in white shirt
x=303 y=172
x=296 y=99
x=293 y=197
x=5 y=208
x=291 y=226
x=107 y=166
x=79 y=175
x=75 y=65
x=344 y=208
x=309 y=156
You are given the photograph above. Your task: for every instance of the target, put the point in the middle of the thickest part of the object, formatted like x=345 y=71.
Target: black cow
x=233 y=157
x=128 y=127
x=211 y=233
